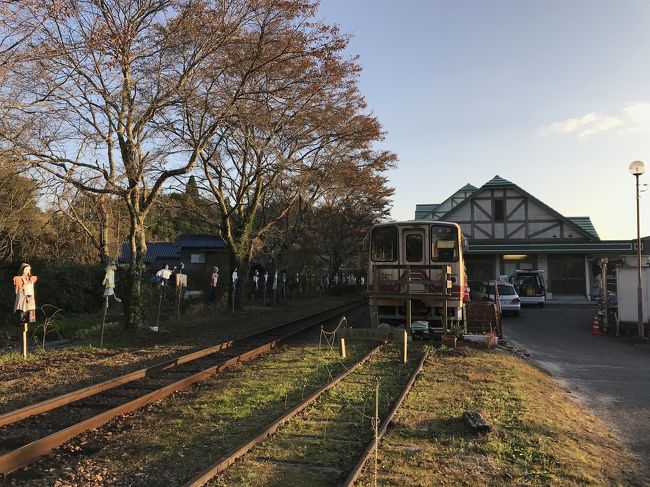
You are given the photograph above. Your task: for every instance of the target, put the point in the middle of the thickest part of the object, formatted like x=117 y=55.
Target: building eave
x=603 y=246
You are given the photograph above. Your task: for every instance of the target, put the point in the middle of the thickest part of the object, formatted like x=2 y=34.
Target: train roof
x=417 y=223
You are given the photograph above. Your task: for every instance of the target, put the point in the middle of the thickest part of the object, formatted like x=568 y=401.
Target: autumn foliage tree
x=105 y=113
x=301 y=118
x=357 y=199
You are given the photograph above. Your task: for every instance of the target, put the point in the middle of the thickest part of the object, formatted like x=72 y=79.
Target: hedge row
x=73 y=288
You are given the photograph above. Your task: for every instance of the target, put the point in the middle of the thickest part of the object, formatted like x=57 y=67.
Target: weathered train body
x=416 y=272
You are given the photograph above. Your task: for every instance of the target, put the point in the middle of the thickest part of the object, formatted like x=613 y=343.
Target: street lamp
x=636 y=169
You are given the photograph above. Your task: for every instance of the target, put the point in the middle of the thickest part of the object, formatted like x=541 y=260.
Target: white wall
x=627 y=283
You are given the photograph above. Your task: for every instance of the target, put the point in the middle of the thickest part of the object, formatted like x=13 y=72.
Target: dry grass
x=539 y=435
x=48 y=373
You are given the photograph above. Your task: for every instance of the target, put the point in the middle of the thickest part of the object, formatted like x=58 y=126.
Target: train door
x=413 y=246
x=414 y=254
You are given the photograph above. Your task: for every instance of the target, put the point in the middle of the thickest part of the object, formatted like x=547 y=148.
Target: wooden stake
x=409 y=316
x=376 y=431
x=342 y=347
x=101 y=337
x=405 y=337
x=25 y=328
x=162 y=290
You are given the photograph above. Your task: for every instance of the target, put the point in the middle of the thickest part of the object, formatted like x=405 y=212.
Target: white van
x=531 y=287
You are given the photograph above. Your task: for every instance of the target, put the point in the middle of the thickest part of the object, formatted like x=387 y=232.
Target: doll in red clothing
x=25 y=299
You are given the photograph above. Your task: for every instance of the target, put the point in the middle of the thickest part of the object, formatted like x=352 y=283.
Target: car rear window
x=505 y=290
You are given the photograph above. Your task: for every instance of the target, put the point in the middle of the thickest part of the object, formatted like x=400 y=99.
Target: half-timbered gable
x=508 y=228
x=436 y=211
x=500 y=210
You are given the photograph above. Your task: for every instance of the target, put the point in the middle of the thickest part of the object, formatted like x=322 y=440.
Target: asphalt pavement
x=609 y=375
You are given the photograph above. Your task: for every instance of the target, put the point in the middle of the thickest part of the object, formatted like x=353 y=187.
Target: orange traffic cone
x=595 y=327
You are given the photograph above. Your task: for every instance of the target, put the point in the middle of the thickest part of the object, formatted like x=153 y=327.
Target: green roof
x=584 y=222
x=426 y=207
x=497 y=181
x=423 y=212
x=606 y=246
x=468 y=187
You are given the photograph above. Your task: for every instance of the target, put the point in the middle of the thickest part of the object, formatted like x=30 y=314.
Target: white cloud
x=634 y=118
x=584 y=126
x=639 y=116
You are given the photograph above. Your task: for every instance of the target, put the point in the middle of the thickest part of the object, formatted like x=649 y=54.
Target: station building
x=507 y=229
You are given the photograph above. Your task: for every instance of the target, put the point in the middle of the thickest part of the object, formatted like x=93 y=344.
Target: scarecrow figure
x=256 y=278
x=214 y=281
x=234 y=278
x=109 y=282
x=164 y=274
x=25 y=300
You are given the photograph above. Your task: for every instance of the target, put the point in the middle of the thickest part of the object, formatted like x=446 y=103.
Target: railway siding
x=168 y=442
x=323 y=444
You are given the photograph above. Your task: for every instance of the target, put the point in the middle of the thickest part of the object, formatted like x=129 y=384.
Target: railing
x=402 y=288
x=414 y=276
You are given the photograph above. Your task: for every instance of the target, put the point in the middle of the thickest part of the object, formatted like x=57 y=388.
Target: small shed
x=200 y=253
x=158 y=254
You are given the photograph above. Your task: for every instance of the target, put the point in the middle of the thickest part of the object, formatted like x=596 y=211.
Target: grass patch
x=324 y=443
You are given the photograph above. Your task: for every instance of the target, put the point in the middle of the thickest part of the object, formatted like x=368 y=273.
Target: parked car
x=531 y=287
x=509 y=300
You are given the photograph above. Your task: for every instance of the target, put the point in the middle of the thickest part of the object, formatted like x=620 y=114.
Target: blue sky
x=552 y=95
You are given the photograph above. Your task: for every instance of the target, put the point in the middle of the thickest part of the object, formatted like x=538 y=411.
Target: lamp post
x=636 y=169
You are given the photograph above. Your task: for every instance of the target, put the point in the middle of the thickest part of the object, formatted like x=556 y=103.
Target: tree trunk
x=133 y=303
x=104 y=256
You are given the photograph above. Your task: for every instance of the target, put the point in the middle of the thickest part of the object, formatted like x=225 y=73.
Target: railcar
x=416 y=272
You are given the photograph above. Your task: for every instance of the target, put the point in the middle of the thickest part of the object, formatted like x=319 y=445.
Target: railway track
x=295 y=447
x=31 y=432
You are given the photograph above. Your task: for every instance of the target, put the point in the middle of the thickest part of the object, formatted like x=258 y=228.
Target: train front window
x=444 y=243
x=384 y=244
x=413 y=247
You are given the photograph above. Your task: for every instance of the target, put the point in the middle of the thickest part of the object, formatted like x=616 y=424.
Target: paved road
x=610 y=375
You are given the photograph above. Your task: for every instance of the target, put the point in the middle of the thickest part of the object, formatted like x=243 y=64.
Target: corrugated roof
x=155 y=251
x=200 y=242
x=584 y=222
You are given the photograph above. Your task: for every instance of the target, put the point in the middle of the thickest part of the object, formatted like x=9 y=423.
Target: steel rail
x=233 y=455
x=356 y=471
x=58 y=401
x=26 y=454
x=73 y=396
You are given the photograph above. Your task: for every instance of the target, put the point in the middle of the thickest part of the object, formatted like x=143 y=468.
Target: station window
x=413 y=247
x=384 y=244
x=197 y=258
x=499 y=210
x=444 y=243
